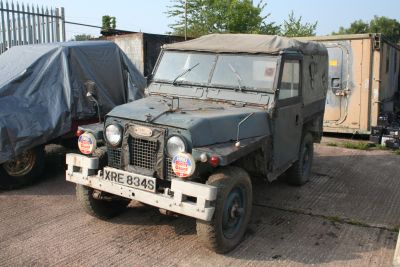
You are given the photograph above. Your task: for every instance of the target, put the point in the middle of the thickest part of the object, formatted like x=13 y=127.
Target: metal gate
x=25 y=24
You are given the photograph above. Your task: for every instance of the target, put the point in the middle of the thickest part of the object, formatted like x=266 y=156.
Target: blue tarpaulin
x=42 y=89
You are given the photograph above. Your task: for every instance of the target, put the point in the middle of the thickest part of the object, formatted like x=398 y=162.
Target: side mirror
x=91 y=90
x=91 y=94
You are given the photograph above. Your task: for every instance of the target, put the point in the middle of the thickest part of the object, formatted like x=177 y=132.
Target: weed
x=381 y=147
x=332 y=144
x=358 y=145
x=357 y=223
x=398 y=152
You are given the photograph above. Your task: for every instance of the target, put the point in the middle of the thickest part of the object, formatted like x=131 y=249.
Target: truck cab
x=220 y=111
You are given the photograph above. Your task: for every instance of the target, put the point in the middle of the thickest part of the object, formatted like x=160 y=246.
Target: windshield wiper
x=238 y=78
x=185 y=72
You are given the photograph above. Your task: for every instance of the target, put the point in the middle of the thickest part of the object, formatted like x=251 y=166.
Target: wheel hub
x=20 y=165
x=233 y=212
x=236 y=211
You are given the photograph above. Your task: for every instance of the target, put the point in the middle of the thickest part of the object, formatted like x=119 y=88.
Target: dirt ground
x=347 y=215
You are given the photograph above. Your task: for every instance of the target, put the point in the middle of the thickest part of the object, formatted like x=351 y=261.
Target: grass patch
x=332 y=144
x=356 y=145
x=397 y=152
x=381 y=147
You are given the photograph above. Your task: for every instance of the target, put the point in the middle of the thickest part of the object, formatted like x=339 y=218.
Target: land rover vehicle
x=220 y=109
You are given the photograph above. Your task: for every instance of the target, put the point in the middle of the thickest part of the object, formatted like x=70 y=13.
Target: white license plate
x=130 y=179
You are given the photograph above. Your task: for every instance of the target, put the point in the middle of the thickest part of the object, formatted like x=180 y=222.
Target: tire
x=300 y=171
x=23 y=170
x=232 y=210
x=101 y=209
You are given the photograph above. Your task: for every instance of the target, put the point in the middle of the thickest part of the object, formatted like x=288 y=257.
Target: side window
x=290 y=81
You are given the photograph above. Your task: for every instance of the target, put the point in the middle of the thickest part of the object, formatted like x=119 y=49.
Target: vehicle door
x=288 y=120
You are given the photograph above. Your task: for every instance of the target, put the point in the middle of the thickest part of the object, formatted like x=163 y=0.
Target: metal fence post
x=14 y=30
x=63 y=35
x=58 y=26
x=24 y=24
x=3 y=29
x=8 y=27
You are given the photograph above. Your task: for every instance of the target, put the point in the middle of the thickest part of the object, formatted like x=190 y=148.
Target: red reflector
x=214 y=161
x=78 y=133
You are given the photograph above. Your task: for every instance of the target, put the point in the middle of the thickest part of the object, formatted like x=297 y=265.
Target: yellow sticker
x=333 y=63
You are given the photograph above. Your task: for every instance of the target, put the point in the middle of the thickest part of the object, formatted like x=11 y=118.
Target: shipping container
x=363 y=81
x=143 y=48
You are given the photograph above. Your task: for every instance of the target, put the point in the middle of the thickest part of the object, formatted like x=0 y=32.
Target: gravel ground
x=347 y=215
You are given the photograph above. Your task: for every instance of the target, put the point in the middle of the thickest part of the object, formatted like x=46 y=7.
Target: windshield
x=242 y=72
x=185 y=67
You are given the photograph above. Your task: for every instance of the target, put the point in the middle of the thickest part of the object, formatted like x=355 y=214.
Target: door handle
x=297 y=119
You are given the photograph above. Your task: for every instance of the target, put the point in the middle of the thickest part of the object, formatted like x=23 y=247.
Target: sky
x=149 y=16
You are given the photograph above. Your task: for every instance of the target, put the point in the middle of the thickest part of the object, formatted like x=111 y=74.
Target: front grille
x=170 y=172
x=142 y=153
x=114 y=157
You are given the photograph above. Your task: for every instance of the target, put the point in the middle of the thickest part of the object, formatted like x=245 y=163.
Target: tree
x=357 y=26
x=108 y=23
x=82 y=37
x=293 y=27
x=388 y=27
x=218 y=16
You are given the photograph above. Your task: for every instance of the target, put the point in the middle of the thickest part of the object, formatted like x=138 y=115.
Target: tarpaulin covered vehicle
x=43 y=97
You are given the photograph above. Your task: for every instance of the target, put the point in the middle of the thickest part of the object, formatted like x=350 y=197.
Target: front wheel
x=101 y=208
x=232 y=210
x=23 y=169
x=300 y=172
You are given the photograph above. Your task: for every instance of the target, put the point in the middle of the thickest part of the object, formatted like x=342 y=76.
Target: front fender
x=228 y=152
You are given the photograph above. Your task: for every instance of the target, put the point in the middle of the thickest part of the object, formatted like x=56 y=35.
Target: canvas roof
x=248 y=43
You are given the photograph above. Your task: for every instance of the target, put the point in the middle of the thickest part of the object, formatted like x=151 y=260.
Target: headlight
x=175 y=145
x=114 y=134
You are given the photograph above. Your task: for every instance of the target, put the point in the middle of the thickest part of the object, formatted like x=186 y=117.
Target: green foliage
x=219 y=16
x=381 y=147
x=398 y=152
x=357 y=26
x=82 y=37
x=358 y=145
x=388 y=27
x=332 y=144
x=108 y=23
x=293 y=27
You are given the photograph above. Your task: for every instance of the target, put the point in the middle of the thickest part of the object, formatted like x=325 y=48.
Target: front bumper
x=82 y=170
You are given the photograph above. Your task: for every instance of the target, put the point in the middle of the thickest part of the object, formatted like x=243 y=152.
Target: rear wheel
x=300 y=172
x=100 y=207
x=232 y=210
x=22 y=170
